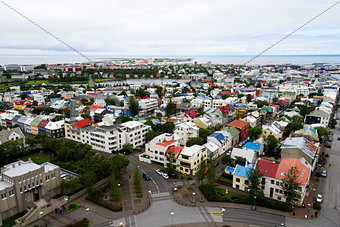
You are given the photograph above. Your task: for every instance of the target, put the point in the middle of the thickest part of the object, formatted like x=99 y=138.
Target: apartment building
x=148 y=105
x=135 y=132
x=190 y=158
x=103 y=138
x=22 y=183
x=73 y=129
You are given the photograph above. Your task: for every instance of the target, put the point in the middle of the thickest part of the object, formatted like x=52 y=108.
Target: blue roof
x=218 y=136
x=230 y=169
x=243 y=171
x=253 y=146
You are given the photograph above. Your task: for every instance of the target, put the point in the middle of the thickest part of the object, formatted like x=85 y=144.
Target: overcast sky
x=174 y=27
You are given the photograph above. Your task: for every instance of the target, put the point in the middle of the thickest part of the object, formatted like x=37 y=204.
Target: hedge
x=317 y=206
x=97 y=197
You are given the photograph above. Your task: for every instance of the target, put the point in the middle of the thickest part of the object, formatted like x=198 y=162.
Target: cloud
x=177 y=27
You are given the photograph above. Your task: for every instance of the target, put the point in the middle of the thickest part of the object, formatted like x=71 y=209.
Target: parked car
x=338 y=138
x=319 y=198
x=216 y=164
x=324 y=173
x=159 y=171
x=330 y=133
x=165 y=175
x=146 y=176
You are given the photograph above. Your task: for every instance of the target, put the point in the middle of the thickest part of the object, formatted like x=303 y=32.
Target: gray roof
x=319 y=113
x=5 y=133
x=22 y=119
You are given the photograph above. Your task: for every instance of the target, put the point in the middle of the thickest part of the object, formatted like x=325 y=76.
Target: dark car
x=146 y=176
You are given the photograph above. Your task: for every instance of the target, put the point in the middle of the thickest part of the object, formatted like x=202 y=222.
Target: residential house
x=55 y=129
x=273 y=130
x=190 y=159
x=241 y=175
x=309 y=133
x=317 y=117
x=21 y=123
x=28 y=124
x=242 y=127
x=212 y=149
x=185 y=131
x=235 y=134
x=203 y=122
x=222 y=139
x=11 y=134
x=256 y=147
x=42 y=126
x=34 y=125
x=135 y=132
x=248 y=155
x=73 y=129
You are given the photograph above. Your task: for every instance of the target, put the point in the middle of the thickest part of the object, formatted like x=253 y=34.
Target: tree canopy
x=254 y=133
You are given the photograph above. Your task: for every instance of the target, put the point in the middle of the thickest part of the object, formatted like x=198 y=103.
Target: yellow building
x=203 y=122
x=72 y=129
x=34 y=125
x=18 y=105
x=271 y=130
x=190 y=158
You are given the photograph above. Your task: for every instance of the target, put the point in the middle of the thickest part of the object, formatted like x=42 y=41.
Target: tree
x=151 y=134
x=137 y=181
x=292 y=127
x=88 y=179
x=119 y=162
x=204 y=133
x=249 y=98
x=127 y=148
x=200 y=174
x=306 y=110
x=261 y=103
x=272 y=142
x=332 y=123
x=290 y=186
x=240 y=161
x=142 y=93
x=227 y=160
x=133 y=106
x=200 y=110
x=193 y=141
x=170 y=109
x=254 y=184
x=115 y=193
x=170 y=166
x=275 y=99
x=159 y=92
x=70 y=183
x=297 y=119
x=24 y=96
x=254 y=133
x=169 y=127
x=321 y=132
x=86 y=113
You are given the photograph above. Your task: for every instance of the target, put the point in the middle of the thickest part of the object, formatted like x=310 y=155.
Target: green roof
x=233 y=131
x=267 y=109
x=36 y=121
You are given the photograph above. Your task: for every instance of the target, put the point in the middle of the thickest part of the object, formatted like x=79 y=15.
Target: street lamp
x=254 y=207
x=172 y=218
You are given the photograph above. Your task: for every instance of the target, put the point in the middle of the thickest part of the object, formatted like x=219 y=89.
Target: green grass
x=32 y=82
x=103 y=79
x=37 y=158
x=226 y=180
x=11 y=220
x=73 y=207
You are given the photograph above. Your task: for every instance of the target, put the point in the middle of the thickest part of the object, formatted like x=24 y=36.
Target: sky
x=168 y=28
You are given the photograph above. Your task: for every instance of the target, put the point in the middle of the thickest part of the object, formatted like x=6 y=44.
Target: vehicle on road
x=319 y=198
x=159 y=171
x=330 y=133
x=338 y=138
x=324 y=173
x=165 y=175
x=216 y=164
x=146 y=176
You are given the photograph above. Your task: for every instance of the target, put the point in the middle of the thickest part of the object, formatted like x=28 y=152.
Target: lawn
x=103 y=79
x=33 y=82
x=37 y=158
x=11 y=220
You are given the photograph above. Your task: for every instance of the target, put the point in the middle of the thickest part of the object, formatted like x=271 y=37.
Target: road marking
x=155 y=185
x=202 y=214
x=208 y=214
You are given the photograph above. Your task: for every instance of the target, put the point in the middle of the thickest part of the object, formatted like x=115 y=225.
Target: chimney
x=13 y=165
x=29 y=160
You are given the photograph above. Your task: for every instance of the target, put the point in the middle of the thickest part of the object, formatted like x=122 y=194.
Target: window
x=276 y=190
x=277 y=183
x=25 y=188
x=246 y=182
x=11 y=193
x=20 y=190
x=3 y=196
x=272 y=181
x=53 y=175
x=40 y=181
x=278 y=198
x=237 y=179
x=33 y=185
x=237 y=186
x=29 y=186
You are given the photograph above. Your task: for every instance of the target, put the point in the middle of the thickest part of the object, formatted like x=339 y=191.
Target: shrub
x=318 y=174
x=189 y=177
x=81 y=223
x=97 y=197
x=73 y=207
x=317 y=206
x=227 y=176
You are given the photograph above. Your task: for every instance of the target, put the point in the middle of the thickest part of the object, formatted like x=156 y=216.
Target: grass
x=73 y=207
x=11 y=220
x=103 y=79
x=32 y=82
x=37 y=158
x=223 y=179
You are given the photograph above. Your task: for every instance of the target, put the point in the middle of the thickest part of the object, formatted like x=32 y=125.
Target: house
x=55 y=129
x=135 y=132
x=42 y=126
x=309 y=133
x=203 y=122
x=21 y=122
x=222 y=139
x=212 y=149
x=273 y=174
x=148 y=105
x=11 y=134
x=28 y=124
x=34 y=125
x=156 y=149
x=297 y=147
x=317 y=117
x=273 y=130
x=99 y=115
x=226 y=112
x=257 y=147
x=23 y=183
x=249 y=155
x=241 y=175
x=190 y=159
x=242 y=127
x=235 y=134
x=185 y=131
x=191 y=113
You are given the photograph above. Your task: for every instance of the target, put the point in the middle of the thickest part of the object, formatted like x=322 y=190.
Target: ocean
x=215 y=59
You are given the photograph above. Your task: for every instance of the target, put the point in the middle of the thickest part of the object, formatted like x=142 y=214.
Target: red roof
x=287 y=163
x=191 y=113
x=224 y=109
x=238 y=124
x=166 y=143
x=175 y=150
x=82 y=123
x=43 y=123
x=267 y=168
x=276 y=106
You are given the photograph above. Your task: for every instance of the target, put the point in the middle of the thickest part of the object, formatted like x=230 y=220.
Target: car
x=319 y=198
x=324 y=173
x=330 y=133
x=165 y=175
x=338 y=138
x=216 y=164
x=159 y=171
x=146 y=176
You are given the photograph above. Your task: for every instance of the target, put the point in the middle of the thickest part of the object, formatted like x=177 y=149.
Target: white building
x=135 y=132
x=148 y=105
x=185 y=131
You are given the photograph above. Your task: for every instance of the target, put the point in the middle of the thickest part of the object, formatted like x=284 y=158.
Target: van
x=146 y=176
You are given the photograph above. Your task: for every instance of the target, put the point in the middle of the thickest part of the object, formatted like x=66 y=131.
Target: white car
x=159 y=171
x=319 y=198
x=324 y=173
x=165 y=175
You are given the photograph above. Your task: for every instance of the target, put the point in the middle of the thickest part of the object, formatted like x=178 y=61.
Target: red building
x=242 y=127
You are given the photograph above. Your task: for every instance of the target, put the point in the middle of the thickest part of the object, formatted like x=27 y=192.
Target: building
x=248 y=155
x=55 y=129
x=148 y=105
x=222 y=139
x=241 y=175
x=185 y=131
x=309 y=133
x=23 y=183
x=272 y=130
x=235 y=135
x=317 y=117
x=242 y=127
x=156 y=149
x=190 y=158
x=257 y=147
x=34 y=126
x=135 y=132
x=11 y=134
x=73 y=129
x=297 y=147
